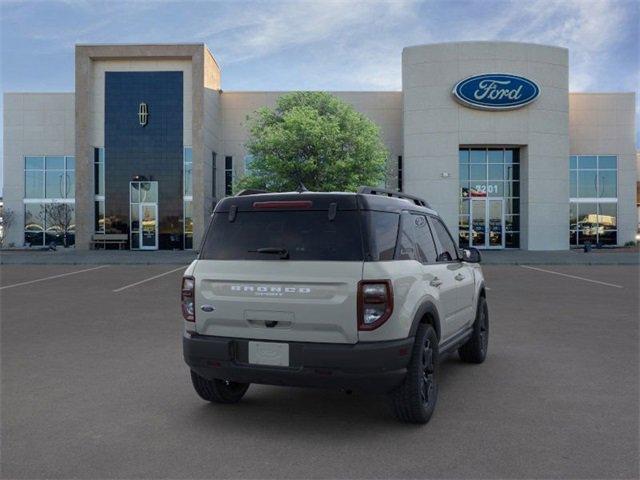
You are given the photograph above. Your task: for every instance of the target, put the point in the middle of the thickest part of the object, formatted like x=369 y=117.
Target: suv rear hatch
x=281 y=267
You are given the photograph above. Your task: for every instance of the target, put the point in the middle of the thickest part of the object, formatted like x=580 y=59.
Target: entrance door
x=144 y=215
x=148 y=226
x=487 y=223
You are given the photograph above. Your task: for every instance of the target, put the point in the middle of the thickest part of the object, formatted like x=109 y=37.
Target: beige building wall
x=34 y=124
x=383 y=108
x=604 y=124
x=435 y=126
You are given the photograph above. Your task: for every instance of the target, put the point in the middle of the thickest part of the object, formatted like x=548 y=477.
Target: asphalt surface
x=94 y=386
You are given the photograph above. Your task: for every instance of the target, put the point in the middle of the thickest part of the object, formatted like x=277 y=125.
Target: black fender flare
x=427 y=307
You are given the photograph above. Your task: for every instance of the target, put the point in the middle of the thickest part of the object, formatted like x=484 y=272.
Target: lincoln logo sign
x=143 y=114
x=496 y=91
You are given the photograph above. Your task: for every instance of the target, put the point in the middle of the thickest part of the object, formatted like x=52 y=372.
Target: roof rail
x=249 y=191
x=391 y=193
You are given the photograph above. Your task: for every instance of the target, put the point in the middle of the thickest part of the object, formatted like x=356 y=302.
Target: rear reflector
x=284 y=204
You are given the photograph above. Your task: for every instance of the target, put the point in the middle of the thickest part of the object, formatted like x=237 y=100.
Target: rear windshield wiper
x=283 y=252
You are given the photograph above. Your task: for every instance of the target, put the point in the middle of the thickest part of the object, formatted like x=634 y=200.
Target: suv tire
x=415 y=400
x=218 y=391
x=475 y=350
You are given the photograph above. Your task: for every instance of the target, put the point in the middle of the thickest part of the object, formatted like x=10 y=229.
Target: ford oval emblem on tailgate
x=207 y=308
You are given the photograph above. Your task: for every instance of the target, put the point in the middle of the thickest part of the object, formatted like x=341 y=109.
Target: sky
x=321 y=45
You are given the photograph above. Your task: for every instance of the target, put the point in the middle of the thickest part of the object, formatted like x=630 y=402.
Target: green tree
x=314 y=138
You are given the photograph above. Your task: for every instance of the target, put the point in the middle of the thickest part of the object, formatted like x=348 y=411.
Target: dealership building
x=487 y=132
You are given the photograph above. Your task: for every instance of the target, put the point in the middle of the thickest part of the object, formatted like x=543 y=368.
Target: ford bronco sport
x=357 y=291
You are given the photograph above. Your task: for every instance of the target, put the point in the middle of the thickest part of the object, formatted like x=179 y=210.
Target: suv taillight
x=375 y=303
x=187 y=298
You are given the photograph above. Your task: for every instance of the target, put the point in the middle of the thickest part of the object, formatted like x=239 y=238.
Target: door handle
x=436 y=282
x=459 y=277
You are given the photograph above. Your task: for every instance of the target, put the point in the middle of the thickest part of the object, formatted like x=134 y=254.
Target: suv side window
x=447 y=251
x=426 y=248
x=405 y=249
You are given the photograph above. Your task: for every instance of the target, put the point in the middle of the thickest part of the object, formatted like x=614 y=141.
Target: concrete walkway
x=621 y=256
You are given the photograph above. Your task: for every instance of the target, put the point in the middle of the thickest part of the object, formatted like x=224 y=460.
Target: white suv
x=358 y=291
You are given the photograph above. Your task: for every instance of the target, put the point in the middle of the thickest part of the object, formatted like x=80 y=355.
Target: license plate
x=269 y=353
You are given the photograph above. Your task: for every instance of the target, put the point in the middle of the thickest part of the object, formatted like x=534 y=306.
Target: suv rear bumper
x=370 y=367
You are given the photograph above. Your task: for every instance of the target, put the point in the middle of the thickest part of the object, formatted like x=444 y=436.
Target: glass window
x=382 y=228
x=33 y=217
x=463 y=231
x=573 y=216
x=71 y=163
x=426 y=249
x=607 y=184
x=587 y=183
x=608 y=213
x=478 y=156
x=510 y=156
x=34 y=184
x=448 y=251
x=496 y=171
x=71 y=184
x=99 y=216
x=591 y=178
x=188 y=182
x=464 y=171
x=587 y=162
x=54 y=163
x=573 y=162
x=148 y=192
x=406 y=251
x=188 y=225
x=228 y=175
x=573 y=184
x=135 y=192
x=187 y=187
x=98 y=172
x=477 y=172
x=512 y=223
x=54 y=187
x=607 y=162
x=463 y=156
x=495 y=156
x=511 y=171
x=34 y=163
x=305 y=235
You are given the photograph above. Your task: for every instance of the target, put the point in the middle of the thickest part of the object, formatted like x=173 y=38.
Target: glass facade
x=145 y=151
x=489 y=199
x=49 y=198
x=593 y=211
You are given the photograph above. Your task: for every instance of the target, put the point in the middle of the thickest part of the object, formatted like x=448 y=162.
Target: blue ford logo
x=496 y=91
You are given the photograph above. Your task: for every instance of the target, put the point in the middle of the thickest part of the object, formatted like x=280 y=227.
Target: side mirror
x=471 y=255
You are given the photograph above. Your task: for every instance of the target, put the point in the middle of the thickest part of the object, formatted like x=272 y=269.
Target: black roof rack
x=249 y=191
x=391 y=193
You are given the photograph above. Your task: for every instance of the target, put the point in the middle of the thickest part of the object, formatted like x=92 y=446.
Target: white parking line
x=149 y=279
x=52 y=277
x=573 y=276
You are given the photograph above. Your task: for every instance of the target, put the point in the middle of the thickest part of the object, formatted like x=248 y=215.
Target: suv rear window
x=305 y=235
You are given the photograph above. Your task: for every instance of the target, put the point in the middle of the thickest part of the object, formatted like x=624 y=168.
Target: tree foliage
x=316 y=139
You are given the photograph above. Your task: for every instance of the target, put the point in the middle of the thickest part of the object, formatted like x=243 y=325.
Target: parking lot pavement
x=94 y=386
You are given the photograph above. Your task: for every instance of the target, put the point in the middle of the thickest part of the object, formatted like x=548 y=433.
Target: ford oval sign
x=496 y=91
